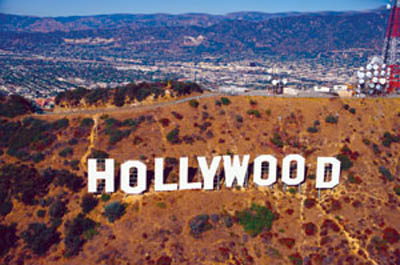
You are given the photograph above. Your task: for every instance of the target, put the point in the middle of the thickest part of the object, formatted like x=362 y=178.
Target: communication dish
x=378 y=87
x=369 y=74
x=388 y=6
x=362 y=81
x=376 y=73
x=376 y=67
x=274 y=82
x=369 y=67
x=382 y=81
x=383 y=66
x=383 y=73
x=361 y=75
x=375 y=80
x=284 y=81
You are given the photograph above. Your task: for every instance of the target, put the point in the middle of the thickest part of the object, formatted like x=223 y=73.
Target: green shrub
x=173 y=136
x=332 y=119
x=268 y=112
x=352 y=111
x=277 y=140
x=194 y=103
x=98 y=154
x=77 y=232
x=87 y=122
x=254 y=112
x=225 y=101
x=386 y=173
x=397 y=190
x=68 y=151
x=253 y=102
x=37 y=157
x=5 y=208
x=312 y=129
x=218 y=103
x=105 y=197
x=88 y=203
x=114 y=210
x=239 y=118
x=388 y=139
x=41 y=213
x=346 y=163
x=8 y=238
x=57 y=209
x=256 y=219
x=39 y=238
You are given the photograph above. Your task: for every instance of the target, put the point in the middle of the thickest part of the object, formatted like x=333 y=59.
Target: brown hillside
x=356 y=223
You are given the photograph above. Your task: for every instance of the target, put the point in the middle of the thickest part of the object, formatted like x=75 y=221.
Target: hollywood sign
x=236 y=172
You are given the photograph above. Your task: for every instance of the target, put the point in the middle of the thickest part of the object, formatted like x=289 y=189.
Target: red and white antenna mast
x=391 y=48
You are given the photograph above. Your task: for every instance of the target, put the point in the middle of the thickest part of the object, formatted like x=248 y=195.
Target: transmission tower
x=391 y=48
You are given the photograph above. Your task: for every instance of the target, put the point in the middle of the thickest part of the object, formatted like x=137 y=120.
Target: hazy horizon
x=47 y=8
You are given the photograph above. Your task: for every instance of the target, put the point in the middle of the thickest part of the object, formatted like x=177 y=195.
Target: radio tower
x=391 y=48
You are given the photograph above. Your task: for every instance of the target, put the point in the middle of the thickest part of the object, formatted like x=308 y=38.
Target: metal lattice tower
x=391 y=48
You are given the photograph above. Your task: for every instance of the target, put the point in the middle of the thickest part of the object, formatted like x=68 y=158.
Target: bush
x=114 y=210
x=386 y=173
x=105 y=197
x=352 y=111
x=88 y=203
x=218 y=103
x=256 y=219
x=8 y=238
x=41 y=213
x=5 y=208
x=277 y=140
x=225 y=101
x=332 y=119
x=397 y=190
x=199 y=225
x=75 y=234
x=98 y=154
x=194 y=103
x=173 y=136
x=253 y=102
x=388 y=139
x=65 y=178
x=268 y=112
x=346 y=163
x=239 y=118
x=254 y=112
x=39 y=238
x=87 y=122
x=37 y=157
x=312 y=129
x=68 y=151
x=57 y=209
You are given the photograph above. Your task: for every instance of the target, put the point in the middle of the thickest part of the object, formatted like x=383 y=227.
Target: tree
x=39 y=238
x=114 y=210
x=88 y=203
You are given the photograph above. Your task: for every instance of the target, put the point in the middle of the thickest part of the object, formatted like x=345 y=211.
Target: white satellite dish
x=369 y=67
x=378 y=87
x=274 y=82
x=382 y=81
x=383 y=73
x=375 y=80
x=284 y=81
x=362 y=69
x=361 y=75
x=388 y=6
x=369 y=74
x=383 y=66
x=362 y=81
x=269 y=78
x=376 y=67
x=376 y=73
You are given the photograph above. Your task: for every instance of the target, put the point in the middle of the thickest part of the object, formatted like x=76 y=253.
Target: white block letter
x=208 y=173
x=159 y=184
x=300 y=170
x=94 y=175
x=184 y=178
x=235 y=170
x=141 y=177
x=272 y=167
x=320 y=182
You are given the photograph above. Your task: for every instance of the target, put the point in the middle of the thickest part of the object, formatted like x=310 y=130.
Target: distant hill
x=243 y=33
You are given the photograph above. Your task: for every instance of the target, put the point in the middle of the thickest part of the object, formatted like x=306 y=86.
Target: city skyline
x=90 y=7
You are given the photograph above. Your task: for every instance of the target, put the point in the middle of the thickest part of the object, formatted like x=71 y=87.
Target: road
x=139 y=107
